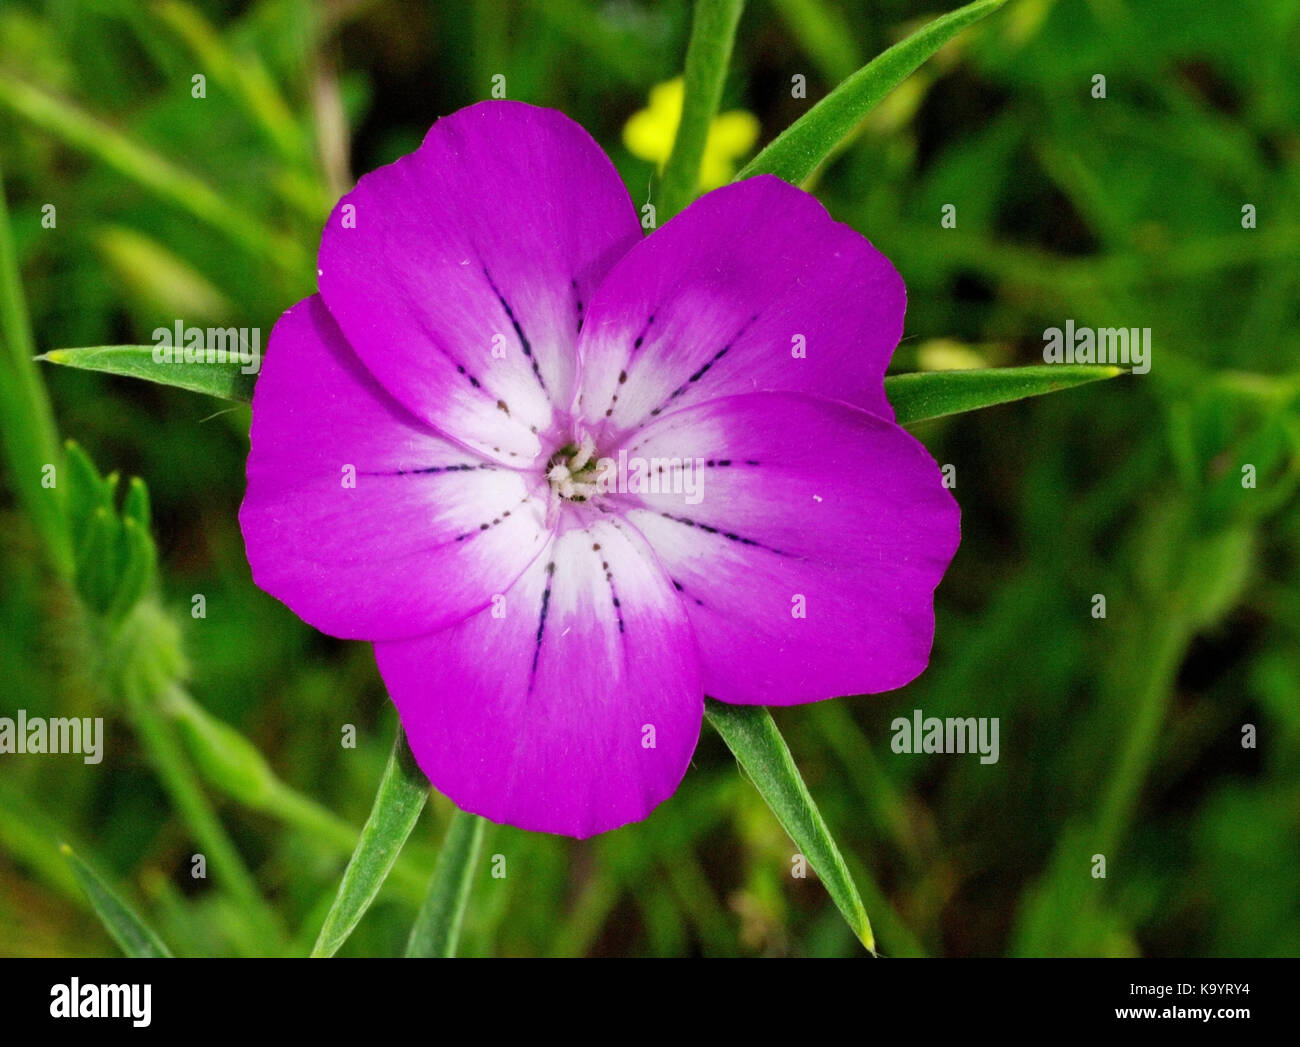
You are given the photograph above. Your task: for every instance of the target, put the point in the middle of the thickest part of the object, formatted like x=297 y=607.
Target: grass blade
x=436 y=931
x=227 y=380
x=752 y=735
x=31 y=439
x=155 y=173
x=127 y=929
x=798 y=150
x=402 y=793
x=933 y=394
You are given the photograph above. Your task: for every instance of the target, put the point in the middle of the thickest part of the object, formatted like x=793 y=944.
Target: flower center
x=571 y=470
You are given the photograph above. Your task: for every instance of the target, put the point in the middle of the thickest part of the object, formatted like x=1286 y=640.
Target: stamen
x=586 y=449
x=571 y=473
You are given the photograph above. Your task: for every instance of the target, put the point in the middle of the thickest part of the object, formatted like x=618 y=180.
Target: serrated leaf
x=128 y=930
x=398 y=803
x=933 y=394
x=798 y=150
x=752 y=736
x=226 y=380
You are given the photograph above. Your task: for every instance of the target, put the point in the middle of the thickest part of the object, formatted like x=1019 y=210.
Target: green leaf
x=127 y=929
x=31 y=442
x=798 y=150
x=436 y=930
x=115 y=557
x=98 y=567
x=155 y=173
x=140 y=561
x=752 y=735
x=933 y=394
x=86 y=492
x=398 y=803
x=226 y=380
x=220 y=753
x=137 y=505
x=713 y=31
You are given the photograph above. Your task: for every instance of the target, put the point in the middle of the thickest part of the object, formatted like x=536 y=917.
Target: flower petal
x=575 y=707
x=753 y=288
x=809 y=560
x=460 y=274
x=358 y=516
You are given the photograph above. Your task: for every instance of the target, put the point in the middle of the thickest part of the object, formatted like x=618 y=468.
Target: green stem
x=182 y=785
x=437 y=927
x=30 y=437
x=1164 y=653
x=707 y=57
x=229 y=761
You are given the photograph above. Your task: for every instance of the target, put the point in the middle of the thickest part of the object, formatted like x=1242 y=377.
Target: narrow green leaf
x=752 y=735
x=127 y=929
x=798 y=150
x=85 y=492
x=152 y=630
x=933 y=394
x=137 y=505
x=220 y=753
x=436 y=930
x=713 y=31
x=227 y=380
x=139 y=561
x=155 y=173
x=231 y=763
x=824 y=34
x=398 y=803
x=98 y=560
x=31 y=441
x=243 y=74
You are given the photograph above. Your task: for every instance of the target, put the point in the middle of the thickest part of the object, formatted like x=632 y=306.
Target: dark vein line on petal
x=487 y=526
x=622 y=375
x=704 y=368
x=430 y=470
x=682 y=589
x=577 y=298
x=519 y=331
x=613 y=591
x=541 y=624
x=731 y=536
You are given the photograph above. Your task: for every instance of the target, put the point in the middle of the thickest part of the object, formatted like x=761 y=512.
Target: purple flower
x=569 y=479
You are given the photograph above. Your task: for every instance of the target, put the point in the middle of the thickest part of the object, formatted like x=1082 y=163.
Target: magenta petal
x=809 y=561
x=358 y=516
x=575 y=707
x=460 y=274
x=752 y=288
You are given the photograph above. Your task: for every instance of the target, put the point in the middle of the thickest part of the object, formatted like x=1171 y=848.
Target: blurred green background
x=1120 y=736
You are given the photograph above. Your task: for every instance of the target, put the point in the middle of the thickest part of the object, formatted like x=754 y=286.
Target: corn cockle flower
x=429 y=430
